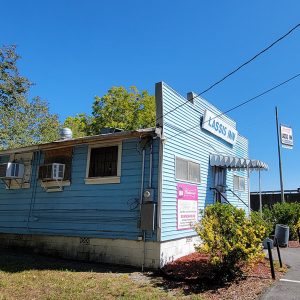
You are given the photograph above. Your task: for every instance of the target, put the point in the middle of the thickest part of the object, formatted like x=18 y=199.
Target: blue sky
x=74 y=50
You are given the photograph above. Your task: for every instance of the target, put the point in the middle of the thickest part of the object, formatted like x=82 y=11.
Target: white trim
x=102 y=180
x=108 y=179
x=53 y=183
x=188 y=160
x=160 y=185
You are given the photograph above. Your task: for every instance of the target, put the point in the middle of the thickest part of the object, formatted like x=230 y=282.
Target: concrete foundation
x=116 y=251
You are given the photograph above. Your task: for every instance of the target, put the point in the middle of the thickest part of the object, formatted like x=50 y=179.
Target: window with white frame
x=187 y=170
x=239 y=183
x=104 y=164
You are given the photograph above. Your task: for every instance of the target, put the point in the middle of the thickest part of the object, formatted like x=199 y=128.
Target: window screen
x=239 y=183
x=242 y=184
x=103 y=162
x=187 y=170
x=181 y=169
x=235 y=182
x=194 y=172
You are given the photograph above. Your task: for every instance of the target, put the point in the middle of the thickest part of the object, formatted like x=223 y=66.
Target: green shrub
x=283 y=213
x=258 y=219
x=229 y=237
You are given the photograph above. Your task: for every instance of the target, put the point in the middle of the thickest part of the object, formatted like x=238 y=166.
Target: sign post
x=279 y=157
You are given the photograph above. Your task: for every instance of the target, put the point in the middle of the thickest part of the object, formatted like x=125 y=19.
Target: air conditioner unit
x=53 y=171
x=11 y=170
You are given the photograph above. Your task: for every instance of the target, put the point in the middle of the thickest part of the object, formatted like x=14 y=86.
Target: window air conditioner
x=53 y=171
x=11 y=170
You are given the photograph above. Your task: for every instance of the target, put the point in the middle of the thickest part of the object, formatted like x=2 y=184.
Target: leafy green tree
x=22 y=122
x=13 y=87
x=80 y=125
x=124 y=109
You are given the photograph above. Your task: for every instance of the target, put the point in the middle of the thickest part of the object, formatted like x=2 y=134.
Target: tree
x=22 y=122
x=80 y=125
x=124 y=109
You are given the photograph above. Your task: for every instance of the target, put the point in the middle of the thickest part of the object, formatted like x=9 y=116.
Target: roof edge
x=117 y=136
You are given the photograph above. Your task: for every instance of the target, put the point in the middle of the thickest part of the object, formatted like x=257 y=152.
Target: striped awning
x=236 y=163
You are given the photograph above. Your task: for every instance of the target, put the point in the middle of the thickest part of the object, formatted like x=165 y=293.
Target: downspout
x=150 y=164
x=142 y=177
x=141 y=202
x=149 y=185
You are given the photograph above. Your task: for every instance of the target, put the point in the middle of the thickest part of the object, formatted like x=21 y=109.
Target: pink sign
x=187 y=206
x=187 y=191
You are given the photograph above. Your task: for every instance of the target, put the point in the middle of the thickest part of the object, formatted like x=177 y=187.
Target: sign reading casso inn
x=218 y=127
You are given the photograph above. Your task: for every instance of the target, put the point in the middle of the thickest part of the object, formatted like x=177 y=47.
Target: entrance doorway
x=220 y=184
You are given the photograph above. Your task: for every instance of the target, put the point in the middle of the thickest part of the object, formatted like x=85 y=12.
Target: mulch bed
x=192 y=273
x=189 y=268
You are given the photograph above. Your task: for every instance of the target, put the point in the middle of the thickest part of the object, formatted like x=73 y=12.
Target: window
x=56 y=156
x=61 y=156
x=187 y=170
x=104 y=164
x=24 y=158
x=239 y=183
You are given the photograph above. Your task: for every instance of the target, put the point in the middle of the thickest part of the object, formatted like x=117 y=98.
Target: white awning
x=236 y=163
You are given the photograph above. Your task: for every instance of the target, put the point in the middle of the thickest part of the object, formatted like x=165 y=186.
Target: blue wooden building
x=126 y=197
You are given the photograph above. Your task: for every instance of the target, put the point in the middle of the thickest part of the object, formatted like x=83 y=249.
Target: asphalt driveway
x=288 y=287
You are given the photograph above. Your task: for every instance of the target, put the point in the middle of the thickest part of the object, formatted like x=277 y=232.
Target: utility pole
x=279 y=157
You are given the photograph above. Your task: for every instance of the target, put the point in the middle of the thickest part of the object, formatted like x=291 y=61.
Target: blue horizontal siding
x=196 y=144
x=81 y=209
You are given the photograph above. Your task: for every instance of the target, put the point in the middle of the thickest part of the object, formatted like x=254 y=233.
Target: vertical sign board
x=187 y=206
x=286 y=136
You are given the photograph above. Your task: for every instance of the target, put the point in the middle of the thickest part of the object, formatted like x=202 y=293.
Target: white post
x=259 y=187
x=249 y=209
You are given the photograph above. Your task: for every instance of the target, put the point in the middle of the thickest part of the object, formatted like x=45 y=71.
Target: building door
x=220 y=184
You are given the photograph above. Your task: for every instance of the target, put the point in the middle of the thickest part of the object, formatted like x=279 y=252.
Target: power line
x=239 y=105
x=232 y=72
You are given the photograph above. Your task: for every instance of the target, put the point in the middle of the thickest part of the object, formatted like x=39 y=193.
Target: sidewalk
x=288 y=288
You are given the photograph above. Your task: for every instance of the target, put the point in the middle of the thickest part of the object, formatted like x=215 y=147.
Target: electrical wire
x=239 y=105
x=232 y=72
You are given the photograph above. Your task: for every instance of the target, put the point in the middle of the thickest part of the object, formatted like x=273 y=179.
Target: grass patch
x=26 y=276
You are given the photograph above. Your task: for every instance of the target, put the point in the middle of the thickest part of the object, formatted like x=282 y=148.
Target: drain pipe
x=142 y=179
x=144 y=250
x=141 y=201
x=34 y=168
x=150 y=164
x=149 y=185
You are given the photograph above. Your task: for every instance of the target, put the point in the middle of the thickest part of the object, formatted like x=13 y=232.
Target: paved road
x=288 y=288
